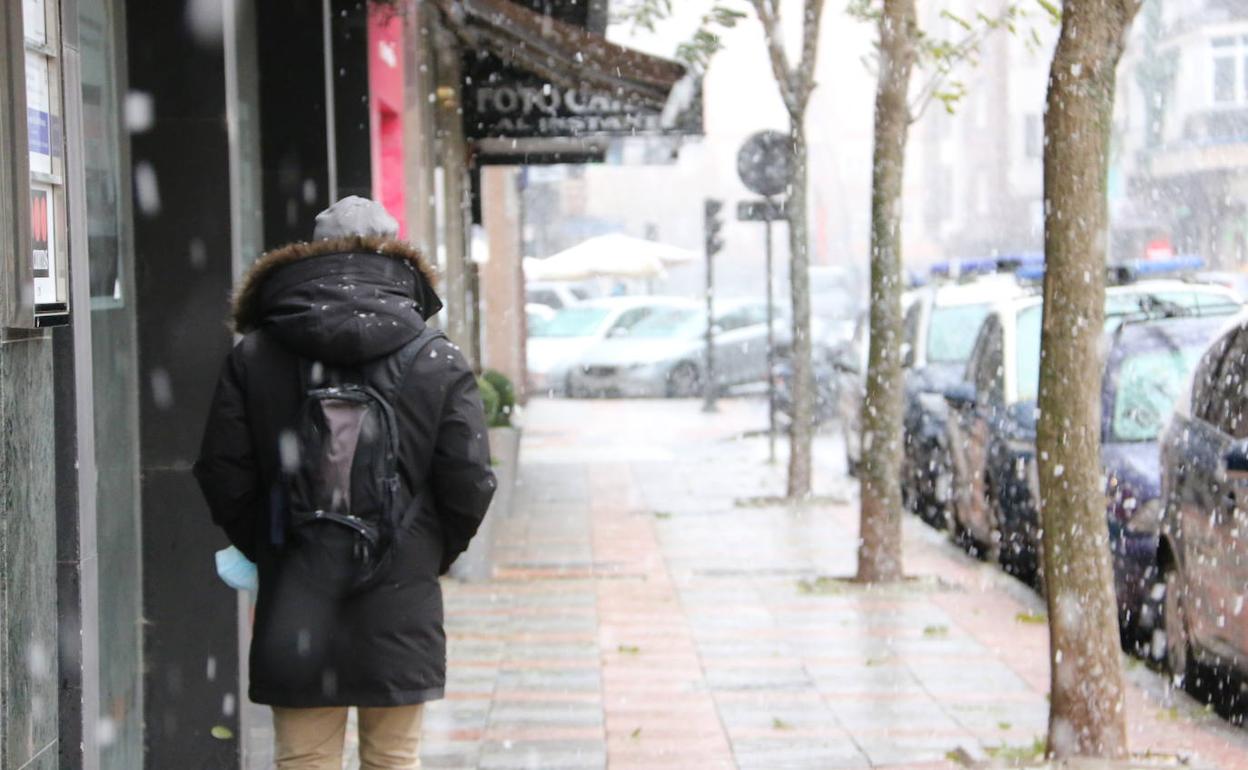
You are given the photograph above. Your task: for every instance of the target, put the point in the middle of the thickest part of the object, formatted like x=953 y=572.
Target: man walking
x=346 y=455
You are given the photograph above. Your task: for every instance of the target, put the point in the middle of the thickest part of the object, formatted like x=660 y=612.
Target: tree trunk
x=1087 y=708
x=802 y=428
x=879 y=551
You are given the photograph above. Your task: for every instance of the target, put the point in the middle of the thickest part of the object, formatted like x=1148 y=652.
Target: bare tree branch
x=768 y=14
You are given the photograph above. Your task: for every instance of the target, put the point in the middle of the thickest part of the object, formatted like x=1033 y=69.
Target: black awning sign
x=523 y=110
x=504 y=102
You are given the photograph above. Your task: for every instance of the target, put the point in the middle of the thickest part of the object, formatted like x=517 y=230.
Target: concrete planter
x=477 y=564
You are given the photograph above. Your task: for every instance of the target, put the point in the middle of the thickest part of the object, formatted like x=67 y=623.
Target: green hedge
x=490 y=402
x=506 y=394
x=498 y=398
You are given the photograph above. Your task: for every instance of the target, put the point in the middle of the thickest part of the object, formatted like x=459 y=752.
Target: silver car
x=554 y=348
x=665 y=355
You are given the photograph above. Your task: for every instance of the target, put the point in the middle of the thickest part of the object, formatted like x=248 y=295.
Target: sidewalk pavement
x=649 y=611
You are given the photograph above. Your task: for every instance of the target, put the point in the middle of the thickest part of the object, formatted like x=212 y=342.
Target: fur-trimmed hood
x=247 y=313
x=341 y=301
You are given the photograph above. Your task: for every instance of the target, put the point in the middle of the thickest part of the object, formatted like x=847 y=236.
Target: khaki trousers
x=312 y=739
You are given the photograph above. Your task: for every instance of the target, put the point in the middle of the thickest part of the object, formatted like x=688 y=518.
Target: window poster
x=38 y=113
x=35 y=21
x=43 y=243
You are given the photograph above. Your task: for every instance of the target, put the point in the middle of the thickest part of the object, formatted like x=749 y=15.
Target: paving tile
x=645 y=614
x=775 y=678
x=436 y=755
x=898 y=749
x=548 y=713
x=797 y=754
x=542 y=755
x=558 y=679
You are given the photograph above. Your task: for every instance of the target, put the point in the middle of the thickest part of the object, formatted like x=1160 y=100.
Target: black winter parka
x=347 y=304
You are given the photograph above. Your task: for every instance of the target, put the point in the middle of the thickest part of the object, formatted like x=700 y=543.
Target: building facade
x=163 y=148
x=977 y=178
x=153 y=150
x=1182 y=131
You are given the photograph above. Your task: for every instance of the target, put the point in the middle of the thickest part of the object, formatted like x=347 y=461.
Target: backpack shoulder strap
x=406 y=355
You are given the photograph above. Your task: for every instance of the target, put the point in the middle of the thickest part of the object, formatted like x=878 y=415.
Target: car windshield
x=951 y=332
x=537 y=325
x=574 y=322
x=1148 y=383
x=1133 y=302
x=675 y=322
x=1027 y=352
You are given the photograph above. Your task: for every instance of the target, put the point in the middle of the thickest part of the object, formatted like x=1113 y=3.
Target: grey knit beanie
x=355 y=216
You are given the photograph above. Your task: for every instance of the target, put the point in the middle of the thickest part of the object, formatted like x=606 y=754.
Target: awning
x=617 y=248
x=609 y=256
x=531 y=76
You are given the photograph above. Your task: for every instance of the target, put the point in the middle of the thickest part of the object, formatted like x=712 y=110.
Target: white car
x=537 y=315
x=555 y=296
x=557 y=345
x=941 y=320
x=666 y=354
x=938 y=331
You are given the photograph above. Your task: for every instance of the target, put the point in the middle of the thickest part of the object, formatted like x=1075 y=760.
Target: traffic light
x=713 y=225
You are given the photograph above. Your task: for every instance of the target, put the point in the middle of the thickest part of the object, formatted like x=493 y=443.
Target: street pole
x=708 y=386
x=712 y=224
x=771 y=347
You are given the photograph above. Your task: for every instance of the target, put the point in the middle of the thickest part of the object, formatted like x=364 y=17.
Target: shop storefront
x=159 y=149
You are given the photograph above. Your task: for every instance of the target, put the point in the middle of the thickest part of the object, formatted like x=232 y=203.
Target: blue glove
x=237 y=570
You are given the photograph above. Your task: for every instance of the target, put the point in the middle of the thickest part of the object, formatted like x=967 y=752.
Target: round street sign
x=764 y=161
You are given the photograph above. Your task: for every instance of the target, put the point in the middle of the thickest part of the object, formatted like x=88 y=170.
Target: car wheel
x=959 y=534
x=933 y=488
x=992 y=549
x=942 y=490
x=684 y=381
x=1178 y=654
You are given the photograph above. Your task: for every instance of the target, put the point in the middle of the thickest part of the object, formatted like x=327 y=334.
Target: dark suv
x=1203 y=554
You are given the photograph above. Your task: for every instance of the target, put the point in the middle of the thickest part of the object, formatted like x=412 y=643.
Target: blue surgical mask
x=237 y=570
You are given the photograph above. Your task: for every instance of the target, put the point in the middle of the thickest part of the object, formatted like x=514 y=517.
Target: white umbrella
x=616 y=249
x=549 y=270
x=608 y=256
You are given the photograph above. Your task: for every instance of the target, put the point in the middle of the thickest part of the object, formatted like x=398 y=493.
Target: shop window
x=102 y=154
x=36 y=276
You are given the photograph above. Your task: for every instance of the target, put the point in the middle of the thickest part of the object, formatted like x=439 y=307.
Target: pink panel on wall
x=385 y=85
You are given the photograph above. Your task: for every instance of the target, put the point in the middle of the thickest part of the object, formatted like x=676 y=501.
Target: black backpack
x=341 y=503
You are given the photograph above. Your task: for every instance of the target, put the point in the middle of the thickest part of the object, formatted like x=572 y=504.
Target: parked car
x=1231 y=279
x=537 y=316
x=836 y=300
x=992 y=439
x=1203 y=553
x=1146 y=366
x=665 y=355
x=939 y=331
x=827 y=378
x=851 y=373
x=554 y=295
x=557 y=345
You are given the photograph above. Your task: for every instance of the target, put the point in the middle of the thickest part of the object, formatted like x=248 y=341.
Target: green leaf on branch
x=1055 y=13
x=950 y=97
x=956 y=19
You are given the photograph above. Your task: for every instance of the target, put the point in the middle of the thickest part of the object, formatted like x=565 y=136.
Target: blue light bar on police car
x=1003 y=263
x=1126 y=272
